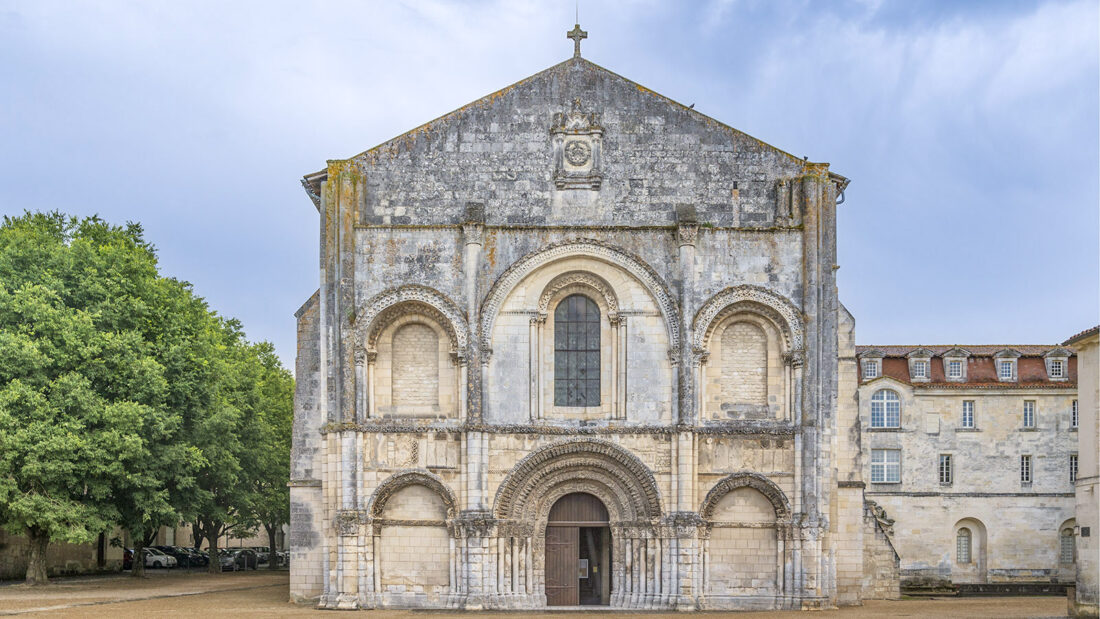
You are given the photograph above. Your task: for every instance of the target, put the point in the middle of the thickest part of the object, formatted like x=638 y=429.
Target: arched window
x=1066 y=550
x=885 y=409
x=962 y=545
x=577 y=352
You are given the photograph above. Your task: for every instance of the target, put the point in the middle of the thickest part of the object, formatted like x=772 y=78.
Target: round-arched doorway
x=578 y=552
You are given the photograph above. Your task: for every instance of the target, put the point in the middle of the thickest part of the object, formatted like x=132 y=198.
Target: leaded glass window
x=577 y=352
x=962 y=545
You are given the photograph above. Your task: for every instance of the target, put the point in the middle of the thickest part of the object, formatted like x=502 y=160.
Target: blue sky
x=969 y=130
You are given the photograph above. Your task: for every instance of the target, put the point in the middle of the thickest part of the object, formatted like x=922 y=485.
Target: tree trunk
x=137 y=565
x=36 y=559
x=197 y=533
x=213 y=533
x=272 y=556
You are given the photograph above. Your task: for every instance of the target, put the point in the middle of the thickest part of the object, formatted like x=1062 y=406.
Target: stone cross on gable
x=576 y=34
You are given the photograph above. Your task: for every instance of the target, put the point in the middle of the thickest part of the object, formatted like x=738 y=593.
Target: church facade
x=576 y=343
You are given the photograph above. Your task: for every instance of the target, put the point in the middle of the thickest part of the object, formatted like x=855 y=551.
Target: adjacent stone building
x=576 y=343
x=1087 y=346
x=972 y=451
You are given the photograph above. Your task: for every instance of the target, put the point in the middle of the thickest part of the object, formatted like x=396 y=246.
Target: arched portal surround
x=745 y=539
x=376 y=320
x=782 y=355
x=624 y=485
x=591 y=248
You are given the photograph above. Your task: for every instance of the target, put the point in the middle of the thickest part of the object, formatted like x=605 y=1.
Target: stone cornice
x=725 y=428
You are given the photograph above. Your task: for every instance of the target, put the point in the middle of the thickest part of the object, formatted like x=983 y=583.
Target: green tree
x=79 y=384
x=271 y=467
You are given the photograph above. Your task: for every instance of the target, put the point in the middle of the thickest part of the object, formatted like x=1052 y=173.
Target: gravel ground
x=265 y=594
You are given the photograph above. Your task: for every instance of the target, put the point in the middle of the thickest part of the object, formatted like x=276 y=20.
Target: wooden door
x=562 y=550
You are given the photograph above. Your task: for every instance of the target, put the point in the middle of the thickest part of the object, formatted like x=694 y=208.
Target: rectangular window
x=920 y=369
x=945 y=468
x=1072 y=468
x=1004 y=370
x=870 y=369
x=1073 y=415
x=968 y=414
x=1056 y=369
x=1025 y=469
x=1029 y=413
x=954 y=369
x=1066 y=546
x=886 y=466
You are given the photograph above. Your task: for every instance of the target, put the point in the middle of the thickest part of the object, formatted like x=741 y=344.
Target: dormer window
x=1006 y=365
x=920 y=369
x=1057 y=361
x=920 y=365
x=955 y=369
x=870 y=369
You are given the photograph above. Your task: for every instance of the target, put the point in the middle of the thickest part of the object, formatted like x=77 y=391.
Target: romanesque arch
x=634 y=265
x=753 y=299
x=376 y=505
x=373 y=316
x=609 y=472
x=756 y=481
x=438 y=381
x=579 y=280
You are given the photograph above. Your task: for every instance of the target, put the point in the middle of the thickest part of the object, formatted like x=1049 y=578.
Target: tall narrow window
x=1073 y=415
x=968 y=414
x=1066 y=546
x=1004 y=370
x=945 y=469
x=577 y=352
x=1025 y=469
x=962 y=546
x=954 y=369
x=1072 y=468
x=1029 y=413
x=886 y=466
x=885 y=409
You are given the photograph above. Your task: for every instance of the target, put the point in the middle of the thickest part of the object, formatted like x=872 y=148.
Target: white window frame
x=1057 y=368
x=1029 y=413
x=886 y=466
x=920 y=369
x=1073 y=468
x=946 y=470
x=952 y=365
x=1073 y=415
x=871 y=369
x=887 y=418
x=1002 y=364
x=1025 y=469
x=968 y=414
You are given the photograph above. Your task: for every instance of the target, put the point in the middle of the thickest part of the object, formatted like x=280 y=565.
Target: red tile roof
x=1082 y=335
x=981 y=370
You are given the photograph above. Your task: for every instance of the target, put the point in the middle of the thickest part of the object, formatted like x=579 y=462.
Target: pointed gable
x=573 y=144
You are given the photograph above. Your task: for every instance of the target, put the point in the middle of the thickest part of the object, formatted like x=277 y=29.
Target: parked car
x=127 y=558
x=183 y=557
x=155 y=558
x=263 y=553
x=239 y=559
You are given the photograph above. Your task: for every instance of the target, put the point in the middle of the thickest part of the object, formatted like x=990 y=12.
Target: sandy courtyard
x=265 y=594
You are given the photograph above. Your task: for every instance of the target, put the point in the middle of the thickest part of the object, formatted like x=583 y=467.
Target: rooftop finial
x=576 y=34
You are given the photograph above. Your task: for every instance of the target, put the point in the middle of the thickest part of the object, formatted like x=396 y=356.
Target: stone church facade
x=576 y=343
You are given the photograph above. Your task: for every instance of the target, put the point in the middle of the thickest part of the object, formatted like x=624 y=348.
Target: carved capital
x=687 y=233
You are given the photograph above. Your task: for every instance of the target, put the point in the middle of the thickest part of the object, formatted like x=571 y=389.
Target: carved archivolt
x=616 y=476
x=389 y=305
x=579 y=278
x=404 y=479
x=578 y=248
x=752 y=480
x=748 y=298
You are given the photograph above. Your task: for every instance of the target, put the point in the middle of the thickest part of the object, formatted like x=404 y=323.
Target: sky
x=970 y=130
